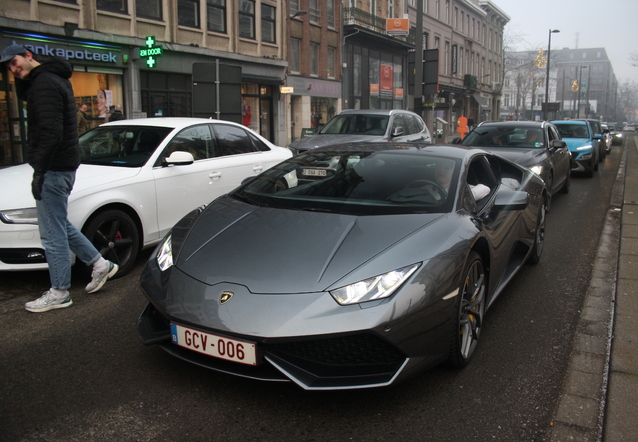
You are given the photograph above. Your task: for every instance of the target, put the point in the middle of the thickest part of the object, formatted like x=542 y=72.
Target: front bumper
x=307 y=338
x=20 y=248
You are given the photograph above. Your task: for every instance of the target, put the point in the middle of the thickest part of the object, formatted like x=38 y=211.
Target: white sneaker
x=48 y=301
x=98 y=279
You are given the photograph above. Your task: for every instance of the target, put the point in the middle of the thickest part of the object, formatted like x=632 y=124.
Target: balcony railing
x=359 y=17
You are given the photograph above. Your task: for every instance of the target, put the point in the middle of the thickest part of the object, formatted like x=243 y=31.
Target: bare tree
x=628 y=99
x=633 y=59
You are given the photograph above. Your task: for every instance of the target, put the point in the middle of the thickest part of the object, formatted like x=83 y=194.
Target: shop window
x=149 y=9
x=119 y=6
x=188 y=13
x=267 y=23
x=247 y=19
x=216 y=15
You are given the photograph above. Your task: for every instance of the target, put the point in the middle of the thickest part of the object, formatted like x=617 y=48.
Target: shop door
x=265 y=120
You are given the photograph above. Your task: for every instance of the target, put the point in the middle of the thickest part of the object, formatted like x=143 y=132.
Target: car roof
x=444 y=150
x=374 y=112
x=170 y=122
x=514 y=123
x=580 y=122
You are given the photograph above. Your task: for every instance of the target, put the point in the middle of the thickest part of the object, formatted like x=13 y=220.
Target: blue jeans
x=57 y=234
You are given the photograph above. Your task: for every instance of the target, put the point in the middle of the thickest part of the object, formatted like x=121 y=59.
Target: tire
x=539 y=237
x=468 y=313
x=116 y=236
x=592 y=168
x=567 y=183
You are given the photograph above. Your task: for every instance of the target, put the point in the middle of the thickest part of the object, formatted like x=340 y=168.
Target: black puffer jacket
x=52 y=116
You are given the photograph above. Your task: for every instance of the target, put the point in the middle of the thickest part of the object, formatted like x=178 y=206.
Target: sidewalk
x=599 y=400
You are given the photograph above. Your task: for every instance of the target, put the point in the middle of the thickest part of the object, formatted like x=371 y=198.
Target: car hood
x=575 y=143
x=18 y=179
x=289 y=251
x=522 y=156
x=328 y=140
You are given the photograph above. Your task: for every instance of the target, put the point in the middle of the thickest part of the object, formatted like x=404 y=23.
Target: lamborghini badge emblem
x=225 y=297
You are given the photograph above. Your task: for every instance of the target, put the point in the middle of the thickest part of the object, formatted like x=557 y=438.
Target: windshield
x=357 y=124
x=357 y=182
x=123 y=146
x=505 y=136
x=572 y=130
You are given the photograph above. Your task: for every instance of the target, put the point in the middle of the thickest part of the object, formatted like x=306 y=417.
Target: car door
x=561 y=157
x=182 y=188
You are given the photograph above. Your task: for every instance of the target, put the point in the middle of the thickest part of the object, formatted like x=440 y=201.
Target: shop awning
x=483 y=102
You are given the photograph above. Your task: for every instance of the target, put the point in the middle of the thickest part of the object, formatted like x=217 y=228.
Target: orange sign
x=374 y=89
x=386 y=78
x=397 y=26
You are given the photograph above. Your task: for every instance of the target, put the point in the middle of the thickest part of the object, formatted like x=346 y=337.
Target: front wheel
x=469 y=311
x=539 y=237
x=115 y=235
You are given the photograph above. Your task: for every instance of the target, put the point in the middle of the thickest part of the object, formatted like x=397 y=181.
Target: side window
x=260 y=145
x=232 y=140
x=410 y=122
x=196 y=140
x=398 y=123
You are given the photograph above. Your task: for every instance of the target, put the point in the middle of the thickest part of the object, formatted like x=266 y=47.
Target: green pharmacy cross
x=151 y=51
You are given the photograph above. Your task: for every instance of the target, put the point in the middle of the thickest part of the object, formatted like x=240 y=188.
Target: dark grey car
x=534 y=144
x=367 y=125
x=370 y=268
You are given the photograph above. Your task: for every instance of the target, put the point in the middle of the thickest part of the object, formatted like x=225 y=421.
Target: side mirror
x=558 y=144
x=398 y=131
x=511 y=200
x=179 y=158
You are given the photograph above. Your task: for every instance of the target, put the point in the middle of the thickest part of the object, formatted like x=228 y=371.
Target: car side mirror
x=558 y=144
x=398 y=131
x=511 y=200
x=598 y=137
x=179 y=158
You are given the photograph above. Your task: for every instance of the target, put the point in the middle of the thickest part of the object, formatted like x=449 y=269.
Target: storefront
x=97 y=82
x=313 y=101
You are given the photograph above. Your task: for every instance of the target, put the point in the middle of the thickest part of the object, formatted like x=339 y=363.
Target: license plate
x=220 y=347
x=315 y=172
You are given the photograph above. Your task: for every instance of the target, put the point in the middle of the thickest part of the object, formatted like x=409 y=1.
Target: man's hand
x=36 y=185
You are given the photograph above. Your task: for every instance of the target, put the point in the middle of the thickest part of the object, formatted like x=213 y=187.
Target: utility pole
x=418 y=60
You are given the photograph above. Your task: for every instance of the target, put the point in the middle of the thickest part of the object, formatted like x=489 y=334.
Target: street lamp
x=549 y=48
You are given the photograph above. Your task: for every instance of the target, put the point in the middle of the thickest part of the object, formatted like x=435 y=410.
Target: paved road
x=82 y=373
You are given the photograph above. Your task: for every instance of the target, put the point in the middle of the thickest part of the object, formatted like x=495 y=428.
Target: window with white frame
x=331 y=13
x=314 y=12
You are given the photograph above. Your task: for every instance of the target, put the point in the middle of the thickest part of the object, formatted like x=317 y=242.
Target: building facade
x=141 y=55
x=582 y=84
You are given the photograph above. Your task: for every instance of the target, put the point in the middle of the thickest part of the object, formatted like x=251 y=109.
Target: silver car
x=367 y=125
x=378 y=263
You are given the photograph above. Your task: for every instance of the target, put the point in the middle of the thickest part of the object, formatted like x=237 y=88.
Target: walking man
x=54 y=153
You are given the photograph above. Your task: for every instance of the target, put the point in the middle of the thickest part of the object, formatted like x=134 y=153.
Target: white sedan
x=137 y=179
